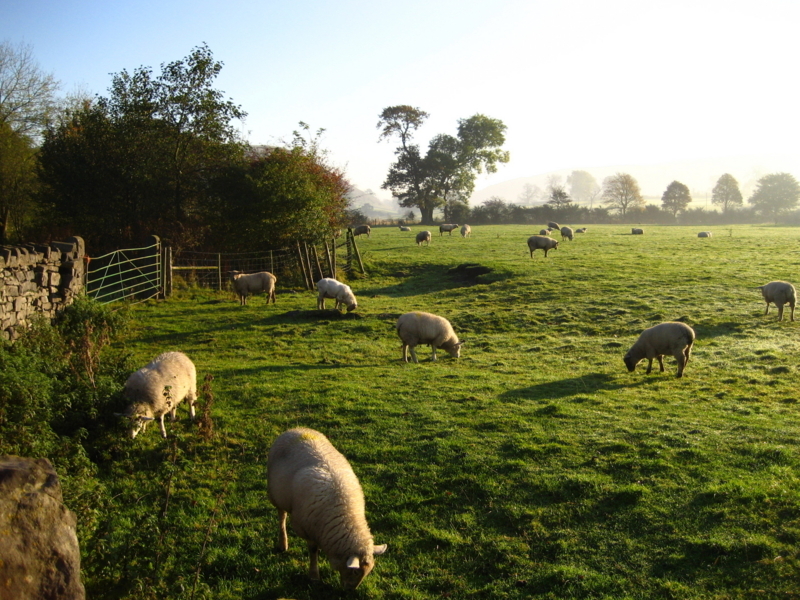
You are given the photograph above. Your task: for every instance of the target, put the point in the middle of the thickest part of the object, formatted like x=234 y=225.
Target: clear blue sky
x=579 y=83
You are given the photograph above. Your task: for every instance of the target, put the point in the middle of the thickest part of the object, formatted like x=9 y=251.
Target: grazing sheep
x=330 y=288
x=245 y=284
x=424 y=236
x=553 y=225
x=362 y=229
x=535 y=242
x=636 y=231
x=466 y=230
x=672 y=337
x=544 y=232
x=158 y=388
x=424 y=328
x=404 y=228
x=779 y=292
x=310 y=479
x=704 y=234
x=566 y=233
x=448 y=227
x=581 y=230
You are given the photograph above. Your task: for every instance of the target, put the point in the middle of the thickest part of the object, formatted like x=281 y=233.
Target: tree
x=676 y=198
x=583 y=187
x=726 y=193
x=27 y=95
x=558 y=197
x=17 y=179
x=621 y=192
x=448 y=170
x=775 y=194
x=531 y=194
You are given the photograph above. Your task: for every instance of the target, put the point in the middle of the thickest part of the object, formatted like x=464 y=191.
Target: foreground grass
x=534 y=466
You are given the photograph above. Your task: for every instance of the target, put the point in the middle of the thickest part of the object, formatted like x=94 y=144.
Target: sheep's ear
x=353 y=562
x=378 y=550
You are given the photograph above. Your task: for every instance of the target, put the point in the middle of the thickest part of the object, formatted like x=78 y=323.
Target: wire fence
x=132 y=274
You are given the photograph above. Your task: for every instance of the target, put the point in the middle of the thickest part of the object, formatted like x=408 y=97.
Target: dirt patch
x=468 y=273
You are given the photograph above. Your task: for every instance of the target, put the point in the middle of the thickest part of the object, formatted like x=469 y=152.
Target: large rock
x=39 y=554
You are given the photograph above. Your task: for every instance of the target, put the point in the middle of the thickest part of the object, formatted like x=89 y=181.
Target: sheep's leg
x=191 y=399
x=413 y=354
x=649 y=366
x=163 y=429
x=766 y=312
x=313 y=555
x=283 y=539
x=792 y=313
x=681 y=363
x=433 y=358
x=780 y=312
x=660 y=362
x=404 y=349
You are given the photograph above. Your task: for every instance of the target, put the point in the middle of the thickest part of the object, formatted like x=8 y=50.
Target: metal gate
x=132 y=274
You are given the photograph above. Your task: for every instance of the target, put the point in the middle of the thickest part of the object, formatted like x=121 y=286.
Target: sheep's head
x=138 y=416
x=355 y=569
x=352 y=307
x=630 y=362
x=455 y=349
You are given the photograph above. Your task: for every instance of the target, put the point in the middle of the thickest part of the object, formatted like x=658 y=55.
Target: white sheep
x=311 y=480
x=779 y=292
x=636 y=231
x=424 y=328
x=544 y=232
x=340 y=292
x=404 y=228
x=704 y=234
x=245 y=284
x=448 y=227
x=157 y=388
x=466 y=230
x=567 y=233
x=536 y=242
x=424 y=236
x=362 y=229
x=672 y=337
x=553 y=225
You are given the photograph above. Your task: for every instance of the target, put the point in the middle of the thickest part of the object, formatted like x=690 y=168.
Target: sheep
x=672 y=337
x=424 y=236
x=448 y=227
x=157 y=388
x=636 y=231
x=779 y=292
x=544 y=232
x=704 y=234
x=330 y=288
x=581 y=230
x=466 y=230
x=424 y=328
x=553 y=225
x=244 y=284
x=309 y=478
x=404 y=228
x=566 y=233
x=362 y=229
x=535 y=242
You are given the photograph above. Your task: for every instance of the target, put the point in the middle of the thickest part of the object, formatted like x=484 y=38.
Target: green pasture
x=535 y=466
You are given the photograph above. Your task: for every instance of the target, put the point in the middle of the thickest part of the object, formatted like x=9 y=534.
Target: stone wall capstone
x=38 y=279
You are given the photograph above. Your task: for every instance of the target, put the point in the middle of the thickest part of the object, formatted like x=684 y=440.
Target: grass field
x=533 y=466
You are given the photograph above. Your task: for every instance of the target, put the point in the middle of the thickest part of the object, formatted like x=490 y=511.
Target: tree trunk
x=426 y=215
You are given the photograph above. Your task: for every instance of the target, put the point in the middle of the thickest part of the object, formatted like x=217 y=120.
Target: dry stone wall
x=38 y=279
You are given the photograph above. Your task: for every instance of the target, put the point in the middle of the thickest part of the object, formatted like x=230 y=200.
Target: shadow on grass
x=436 y=278
x=585 y=384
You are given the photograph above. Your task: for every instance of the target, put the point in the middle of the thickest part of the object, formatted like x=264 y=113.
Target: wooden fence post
x=350 y=240
x=333 y=257
x=219 y=271
x=302 y=265
x=358 y=257
x=316 y=258
x=330 y=262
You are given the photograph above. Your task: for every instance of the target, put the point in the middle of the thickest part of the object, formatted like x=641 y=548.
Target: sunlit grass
x=534 y=466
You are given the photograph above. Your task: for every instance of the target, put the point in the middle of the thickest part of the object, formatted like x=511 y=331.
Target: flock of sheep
x=307 y=476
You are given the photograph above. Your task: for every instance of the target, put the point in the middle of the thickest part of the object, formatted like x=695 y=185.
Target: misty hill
x=699 y=175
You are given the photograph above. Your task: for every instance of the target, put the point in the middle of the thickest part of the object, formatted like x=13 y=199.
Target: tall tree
x=583 y=187
x=27 y=95
x=448 y=170
x=17 y=178
x=775 y=194
x=726 y=193
x=531 y=193
x=621 y=193
x=676 y=198
x=558 y=197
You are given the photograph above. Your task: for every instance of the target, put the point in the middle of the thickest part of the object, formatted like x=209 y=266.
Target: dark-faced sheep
x=311 y=480
x=672 y=337
x=637 y=231
x=424 y=236
x=779 y=293
x=553 y=225
x=567 y=234
x=537 y=242
x=447 y=227
x=361 y=230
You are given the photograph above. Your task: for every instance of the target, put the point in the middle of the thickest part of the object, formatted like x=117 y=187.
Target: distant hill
x=699 y=175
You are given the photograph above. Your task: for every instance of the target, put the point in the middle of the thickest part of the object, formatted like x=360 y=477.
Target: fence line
x=129 y=274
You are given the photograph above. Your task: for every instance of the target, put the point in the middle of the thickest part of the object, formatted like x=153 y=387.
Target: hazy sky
x=579 y=83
